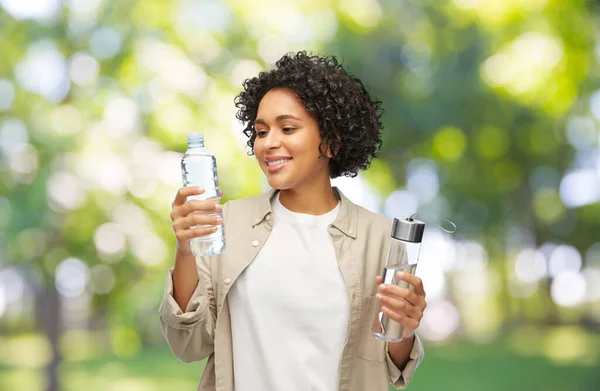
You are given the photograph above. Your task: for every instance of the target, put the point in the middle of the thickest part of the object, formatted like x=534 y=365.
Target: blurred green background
x=492 y=111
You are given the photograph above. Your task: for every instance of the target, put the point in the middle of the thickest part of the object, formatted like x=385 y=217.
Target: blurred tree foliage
x=484 y=89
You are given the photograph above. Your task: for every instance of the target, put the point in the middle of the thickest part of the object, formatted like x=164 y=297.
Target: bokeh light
x=449 y=143
x=440 y=321
x=581 y=133
x=210 y=15
x=525 y=65
x=13 y=285
x=13 y=136
x=592 y=283
x=83 y=69
x=568 y=288
x=44 y=71
x=530 y=265
x=580 y=187
x=33 y=9
x=564 y=258
x=121 y=116
x=150 y=250
x=400 y=204
x=359 y=191
x=72 y=276
x=2 y=300
x=105 y=42
x=24 y=165
x=7 y=94
x=595 y=105
x=422 y=180
x=83 y=7
x=65 y=192
x=109 y=239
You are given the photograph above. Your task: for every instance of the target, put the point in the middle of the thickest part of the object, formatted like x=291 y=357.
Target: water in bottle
x=385 y=328
x=403 y=256
x=199 y=168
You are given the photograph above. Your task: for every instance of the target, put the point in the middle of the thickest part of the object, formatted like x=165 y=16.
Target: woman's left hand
x=402 y=305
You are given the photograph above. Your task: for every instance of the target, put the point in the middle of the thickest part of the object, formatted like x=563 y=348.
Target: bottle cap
x=195 y=137
x=409 y=230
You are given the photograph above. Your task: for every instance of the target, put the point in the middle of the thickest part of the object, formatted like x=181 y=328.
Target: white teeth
x=276 y=162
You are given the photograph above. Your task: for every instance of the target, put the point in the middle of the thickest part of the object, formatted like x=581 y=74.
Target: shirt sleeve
x=190 y=334
x=398 y=378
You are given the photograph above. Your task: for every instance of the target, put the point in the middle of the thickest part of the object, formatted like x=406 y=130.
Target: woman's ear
x=329 y=149
x=333 y=147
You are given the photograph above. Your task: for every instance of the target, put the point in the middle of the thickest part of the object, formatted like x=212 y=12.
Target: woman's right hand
x=184 y=219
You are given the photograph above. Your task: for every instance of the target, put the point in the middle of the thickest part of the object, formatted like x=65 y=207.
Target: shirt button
x=227 y=280
x=255 y=243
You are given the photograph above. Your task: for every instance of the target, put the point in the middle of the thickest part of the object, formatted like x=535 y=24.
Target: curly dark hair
x=349 y=120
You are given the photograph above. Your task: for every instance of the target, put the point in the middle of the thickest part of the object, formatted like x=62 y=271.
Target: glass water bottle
x=403 y=256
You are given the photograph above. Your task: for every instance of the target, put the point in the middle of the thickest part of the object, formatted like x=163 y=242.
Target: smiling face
x=287 y=142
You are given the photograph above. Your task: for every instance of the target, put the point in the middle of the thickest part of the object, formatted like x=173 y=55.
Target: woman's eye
x=261 y=133
x=288 y=129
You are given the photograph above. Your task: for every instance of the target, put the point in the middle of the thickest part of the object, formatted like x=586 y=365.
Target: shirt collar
x=345 y=221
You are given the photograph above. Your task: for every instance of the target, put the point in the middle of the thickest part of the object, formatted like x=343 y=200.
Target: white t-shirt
x=289 y=308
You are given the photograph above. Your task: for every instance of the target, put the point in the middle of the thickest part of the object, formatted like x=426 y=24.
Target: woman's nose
x=273 y=141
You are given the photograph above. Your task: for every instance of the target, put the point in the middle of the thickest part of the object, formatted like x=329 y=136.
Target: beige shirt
x=361 y=240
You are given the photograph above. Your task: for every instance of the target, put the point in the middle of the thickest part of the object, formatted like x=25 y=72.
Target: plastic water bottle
x=199 y=168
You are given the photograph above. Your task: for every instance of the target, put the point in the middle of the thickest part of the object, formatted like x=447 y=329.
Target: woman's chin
x=277 y=184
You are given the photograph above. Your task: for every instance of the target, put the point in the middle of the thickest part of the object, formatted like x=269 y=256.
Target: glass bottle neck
x=196 y=144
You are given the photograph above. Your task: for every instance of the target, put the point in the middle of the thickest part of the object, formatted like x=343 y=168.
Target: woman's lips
x=277 y=166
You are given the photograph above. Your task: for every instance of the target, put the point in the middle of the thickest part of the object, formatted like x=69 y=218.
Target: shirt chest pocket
x=369 y=347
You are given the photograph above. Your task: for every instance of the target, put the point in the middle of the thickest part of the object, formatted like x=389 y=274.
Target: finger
x=201 y=206
x=189 y=234
x=394 y=290
x=400 y=318
x=185 y=192
x=194 y=219
x=410 y=296
x=399 y=305
x=198 y=219
x=378 y=280
x=413 y=280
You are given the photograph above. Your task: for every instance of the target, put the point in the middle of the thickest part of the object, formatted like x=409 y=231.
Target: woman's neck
x=317 y=200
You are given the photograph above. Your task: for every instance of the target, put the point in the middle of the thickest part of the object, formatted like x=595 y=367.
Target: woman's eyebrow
x=278 y=118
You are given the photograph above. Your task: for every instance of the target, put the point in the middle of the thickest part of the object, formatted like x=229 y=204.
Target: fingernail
x=379 y=296
x=219 y=220
x=400 y=274
x=218 y=207
x=382 y=287
x=199 y=189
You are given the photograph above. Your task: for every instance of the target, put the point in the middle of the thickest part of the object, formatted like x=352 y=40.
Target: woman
x=289 y=304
